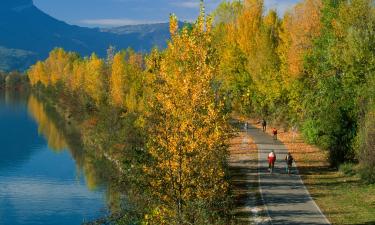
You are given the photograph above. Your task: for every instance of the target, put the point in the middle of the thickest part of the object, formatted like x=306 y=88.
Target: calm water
x=42 y=180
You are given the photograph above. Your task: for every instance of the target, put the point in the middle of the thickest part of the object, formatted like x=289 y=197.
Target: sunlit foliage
x=187 y=137
x=313 y=68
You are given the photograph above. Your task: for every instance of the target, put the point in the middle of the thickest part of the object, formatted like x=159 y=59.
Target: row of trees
x=313 y=68
x=13 y=80
x=164 y=98
x=116 y=81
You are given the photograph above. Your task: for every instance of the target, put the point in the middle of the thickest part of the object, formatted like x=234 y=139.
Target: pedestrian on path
x=271 y=161
x=245 y=126
x=274 y=132
x=264 y=125
x=289 y=161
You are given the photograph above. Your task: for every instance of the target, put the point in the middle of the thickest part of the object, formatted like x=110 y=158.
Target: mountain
x=157 y=34
x=11 y=59
x=28 y=34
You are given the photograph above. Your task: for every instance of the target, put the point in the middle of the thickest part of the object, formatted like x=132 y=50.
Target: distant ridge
x=28 y=34
x=16 y=3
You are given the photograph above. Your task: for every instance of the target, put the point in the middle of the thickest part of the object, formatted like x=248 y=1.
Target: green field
x=344 y=199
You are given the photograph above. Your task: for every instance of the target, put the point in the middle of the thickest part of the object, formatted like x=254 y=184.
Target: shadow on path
x=243 y=170
x=285 y=196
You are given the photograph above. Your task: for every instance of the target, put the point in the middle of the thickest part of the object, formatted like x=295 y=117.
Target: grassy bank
x=343 y=198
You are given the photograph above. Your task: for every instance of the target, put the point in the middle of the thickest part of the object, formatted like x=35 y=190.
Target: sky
x=111 y=13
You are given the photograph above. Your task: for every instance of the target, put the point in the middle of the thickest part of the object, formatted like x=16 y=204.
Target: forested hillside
x=313 y=68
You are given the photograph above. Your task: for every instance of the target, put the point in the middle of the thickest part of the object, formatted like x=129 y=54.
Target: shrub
x=366 y=145
x=348 y=169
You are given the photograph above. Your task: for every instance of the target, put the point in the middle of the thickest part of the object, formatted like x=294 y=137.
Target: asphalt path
x=285 y=196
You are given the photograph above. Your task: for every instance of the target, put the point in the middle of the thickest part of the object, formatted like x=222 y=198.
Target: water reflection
x=17 y=133
x=46 y=127
x=97 y=170
x=46 y=176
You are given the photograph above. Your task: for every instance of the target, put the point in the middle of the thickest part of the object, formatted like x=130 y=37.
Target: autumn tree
x=299 y=28
x=187 y=131
x=250 y=65
x=94 y=79
x=37 y=74
x=227 y=12
x=76 y=81
x=117 y=80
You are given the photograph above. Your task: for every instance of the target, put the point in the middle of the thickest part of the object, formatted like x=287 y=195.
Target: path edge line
x=260 y=186
x=307 y=191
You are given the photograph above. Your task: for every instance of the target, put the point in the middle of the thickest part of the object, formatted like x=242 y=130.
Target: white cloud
x=280 y=5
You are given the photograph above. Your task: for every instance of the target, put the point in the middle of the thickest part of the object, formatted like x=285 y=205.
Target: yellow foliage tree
x=37 y=74
x=117 y=80
x=58 y=65
x=256 y=39
x=298 y=30
x=94 y=79
x=186 y=127
x=76 y=81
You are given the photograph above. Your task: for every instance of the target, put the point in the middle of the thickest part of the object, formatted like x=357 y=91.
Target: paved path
x=243 y=168
x=285 y=196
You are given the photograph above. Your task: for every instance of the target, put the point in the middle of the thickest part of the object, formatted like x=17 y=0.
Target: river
x=43 y=178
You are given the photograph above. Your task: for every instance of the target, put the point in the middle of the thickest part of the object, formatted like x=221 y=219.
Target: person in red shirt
x=271 y=161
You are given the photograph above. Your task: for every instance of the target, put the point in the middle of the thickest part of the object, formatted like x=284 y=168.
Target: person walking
x=271 y=161
x=274 y=132
x=264 y=125
x=289 y=161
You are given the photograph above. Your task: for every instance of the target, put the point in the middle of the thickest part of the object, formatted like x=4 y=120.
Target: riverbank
x=113 y=135
x=343 y=197
x=61 y=128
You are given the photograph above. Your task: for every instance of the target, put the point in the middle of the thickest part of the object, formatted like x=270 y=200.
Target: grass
x=344 y=199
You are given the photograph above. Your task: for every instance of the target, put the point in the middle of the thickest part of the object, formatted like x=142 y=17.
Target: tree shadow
x=366 y=223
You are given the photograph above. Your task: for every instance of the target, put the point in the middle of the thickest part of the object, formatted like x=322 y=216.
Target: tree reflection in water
x=46 y=127
x=98 y=170
x=109 y=150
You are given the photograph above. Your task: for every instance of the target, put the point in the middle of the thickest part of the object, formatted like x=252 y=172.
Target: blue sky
x=107 y=13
